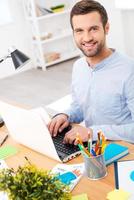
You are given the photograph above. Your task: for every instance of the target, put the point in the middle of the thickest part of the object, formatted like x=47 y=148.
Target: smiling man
x=102 y=81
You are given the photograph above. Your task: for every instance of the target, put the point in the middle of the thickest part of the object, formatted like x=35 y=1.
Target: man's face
x=89 y=33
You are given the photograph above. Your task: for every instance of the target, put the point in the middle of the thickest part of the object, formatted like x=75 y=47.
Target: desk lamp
x=19 y=60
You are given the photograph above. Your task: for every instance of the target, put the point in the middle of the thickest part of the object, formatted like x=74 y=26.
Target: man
x=102 y=81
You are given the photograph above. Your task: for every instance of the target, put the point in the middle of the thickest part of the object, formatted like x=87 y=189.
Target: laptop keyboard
x=64 y=148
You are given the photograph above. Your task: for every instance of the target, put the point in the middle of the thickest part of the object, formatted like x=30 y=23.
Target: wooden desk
x=95 y=189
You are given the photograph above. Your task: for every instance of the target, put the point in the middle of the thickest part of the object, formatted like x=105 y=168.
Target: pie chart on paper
x=126 y=176
x=132 y=176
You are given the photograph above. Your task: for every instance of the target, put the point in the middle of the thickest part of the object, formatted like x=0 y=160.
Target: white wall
x=128 y=31
x=115 y=37
x=18 y=33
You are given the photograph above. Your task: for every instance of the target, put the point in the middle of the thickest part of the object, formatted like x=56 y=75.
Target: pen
x=97 y=142
x=90 y=145
x=103 y=137
x=93 y=152
x=99 y=133
x=86 y=151
x=4 y=140
x=89 y=142
x=97 y=146
x=79 y=139
x=103 y=148
x=99 y=151
x=82 y=150
x=81 y=146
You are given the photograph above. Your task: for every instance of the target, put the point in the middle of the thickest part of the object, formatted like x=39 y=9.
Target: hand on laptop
x=57 y=124
x=71 y=135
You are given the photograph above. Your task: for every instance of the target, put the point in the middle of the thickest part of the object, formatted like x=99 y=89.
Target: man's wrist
x=60 y=114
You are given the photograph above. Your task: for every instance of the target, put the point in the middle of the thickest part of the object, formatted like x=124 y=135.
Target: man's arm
x=116 y=132
x=122 y=131
x=74 y=112
x=72 y=115
x=62 y=120
x=75 y=115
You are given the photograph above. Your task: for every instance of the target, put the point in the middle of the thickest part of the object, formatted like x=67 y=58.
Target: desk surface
x=94 y=189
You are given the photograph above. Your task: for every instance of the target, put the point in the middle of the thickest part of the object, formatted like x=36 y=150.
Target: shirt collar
x=105 y=61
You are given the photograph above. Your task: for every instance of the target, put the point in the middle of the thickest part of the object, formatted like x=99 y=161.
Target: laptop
x=29 y=128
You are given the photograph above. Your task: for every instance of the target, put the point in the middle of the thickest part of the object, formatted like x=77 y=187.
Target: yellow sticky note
x=118 y=194
x=80 y=197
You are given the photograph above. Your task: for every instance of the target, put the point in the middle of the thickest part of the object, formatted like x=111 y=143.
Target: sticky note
x=80 y=197
x=118 y=194
x=7 y=151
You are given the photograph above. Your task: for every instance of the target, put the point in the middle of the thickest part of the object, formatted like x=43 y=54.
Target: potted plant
x=30 y=183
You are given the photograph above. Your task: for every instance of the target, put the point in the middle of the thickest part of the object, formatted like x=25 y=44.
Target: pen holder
x=95 y=167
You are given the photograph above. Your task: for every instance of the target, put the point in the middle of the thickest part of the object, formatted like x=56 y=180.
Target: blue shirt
x=103 y=96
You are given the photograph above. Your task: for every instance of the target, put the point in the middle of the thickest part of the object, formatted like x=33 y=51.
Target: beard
x=93 y=50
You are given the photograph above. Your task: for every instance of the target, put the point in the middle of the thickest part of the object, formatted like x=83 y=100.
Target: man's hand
x=84 y=133
x=58 y=123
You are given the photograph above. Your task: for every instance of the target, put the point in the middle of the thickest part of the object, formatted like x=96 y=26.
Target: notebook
x=29 y=128
x=114 y=151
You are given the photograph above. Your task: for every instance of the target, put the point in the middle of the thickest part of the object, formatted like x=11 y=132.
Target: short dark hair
x=86 y=6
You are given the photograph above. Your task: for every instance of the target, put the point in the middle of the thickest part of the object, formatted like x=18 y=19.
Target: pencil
x=78 y=139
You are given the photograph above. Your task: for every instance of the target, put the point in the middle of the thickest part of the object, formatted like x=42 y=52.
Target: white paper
x=3 y=164
x=3 y=196
x=125 y=172
x=76 y=169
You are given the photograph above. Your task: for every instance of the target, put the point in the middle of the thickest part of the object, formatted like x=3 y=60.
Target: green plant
x=30 y=183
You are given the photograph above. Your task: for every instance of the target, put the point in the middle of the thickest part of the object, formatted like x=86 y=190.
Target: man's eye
x=94 y=29
x=78 y=31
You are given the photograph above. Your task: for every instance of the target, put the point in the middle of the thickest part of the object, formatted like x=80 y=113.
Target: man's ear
x=107 y=26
